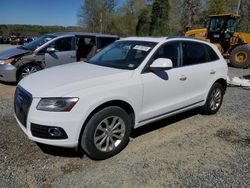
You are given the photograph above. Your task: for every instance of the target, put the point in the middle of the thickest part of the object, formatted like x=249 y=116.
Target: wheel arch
x=118 y=103
x=23 y=64
x=223 y=82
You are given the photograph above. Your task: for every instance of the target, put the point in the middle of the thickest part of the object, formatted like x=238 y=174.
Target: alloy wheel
x=109 y=133
x=28 y=70
x=216 y=98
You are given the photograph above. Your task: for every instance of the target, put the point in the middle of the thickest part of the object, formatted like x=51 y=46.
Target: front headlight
x=56 y=104
x=7 y=61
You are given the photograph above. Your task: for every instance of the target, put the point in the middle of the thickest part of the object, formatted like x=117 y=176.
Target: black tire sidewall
x=206 y=108
x=87 y=137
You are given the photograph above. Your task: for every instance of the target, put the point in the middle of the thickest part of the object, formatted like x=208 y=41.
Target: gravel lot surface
x=187 y=150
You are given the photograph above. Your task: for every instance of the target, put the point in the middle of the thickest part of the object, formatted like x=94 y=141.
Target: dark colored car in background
x=4 y=40
x=50 y=50
x=16 y=39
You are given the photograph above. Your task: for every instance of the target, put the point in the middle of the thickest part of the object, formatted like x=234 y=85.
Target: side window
x=194 y=53
x=211 y=53
x=63 y=44
x=171 y=51
x=232 y=25
x=103 y=42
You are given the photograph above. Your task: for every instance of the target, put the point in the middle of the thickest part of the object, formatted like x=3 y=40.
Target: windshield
x=123 y=54
x=38 y=42
x=217 y=24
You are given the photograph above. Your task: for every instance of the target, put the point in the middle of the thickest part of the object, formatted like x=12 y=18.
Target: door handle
x=212 y=72
x=183 y=78
x=72 y=56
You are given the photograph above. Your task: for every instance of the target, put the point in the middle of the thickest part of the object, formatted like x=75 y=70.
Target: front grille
x=42 y=131
x=22 y=102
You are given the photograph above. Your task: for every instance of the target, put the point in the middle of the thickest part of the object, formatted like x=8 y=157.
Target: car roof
x=57 y=34
x=147 y=39
x=162 y=39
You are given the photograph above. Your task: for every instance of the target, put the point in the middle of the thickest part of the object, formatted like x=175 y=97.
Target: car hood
x=12 y=53
x=63 y=80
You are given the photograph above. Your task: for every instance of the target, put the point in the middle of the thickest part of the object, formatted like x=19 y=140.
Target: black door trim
x=171 y=111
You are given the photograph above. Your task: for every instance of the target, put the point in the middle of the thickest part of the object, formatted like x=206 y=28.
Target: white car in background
x=130 y=83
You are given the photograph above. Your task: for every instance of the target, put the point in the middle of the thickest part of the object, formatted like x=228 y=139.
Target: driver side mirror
x=51 y=50
x=161 y=64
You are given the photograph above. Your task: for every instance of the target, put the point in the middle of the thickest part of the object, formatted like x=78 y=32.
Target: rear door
x=199 y=68
x=64 y=52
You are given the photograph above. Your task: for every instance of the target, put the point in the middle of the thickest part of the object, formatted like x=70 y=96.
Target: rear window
x=196 y=53
x=212 y=54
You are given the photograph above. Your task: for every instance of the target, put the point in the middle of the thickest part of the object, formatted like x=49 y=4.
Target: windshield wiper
x=22 y=47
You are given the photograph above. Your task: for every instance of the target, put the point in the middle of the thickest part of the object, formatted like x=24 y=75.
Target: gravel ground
x=187 y=150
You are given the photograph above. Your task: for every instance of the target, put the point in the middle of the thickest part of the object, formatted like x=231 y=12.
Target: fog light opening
x=54 y=132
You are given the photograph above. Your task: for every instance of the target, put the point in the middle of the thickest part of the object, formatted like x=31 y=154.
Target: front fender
x=130 y=93
x=29 y=59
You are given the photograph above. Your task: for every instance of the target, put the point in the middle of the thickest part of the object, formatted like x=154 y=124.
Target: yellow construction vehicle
x=222 y=30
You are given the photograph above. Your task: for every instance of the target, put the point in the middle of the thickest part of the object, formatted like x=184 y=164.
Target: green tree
x=96 y=15
x=143 y=24
x=35 y=30
x=159 y=17
x=245 y=16
x=126 y=17
x=218 y=6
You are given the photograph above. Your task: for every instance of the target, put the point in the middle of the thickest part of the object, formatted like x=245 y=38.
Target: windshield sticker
x=142 y=48
x=131 y=65
x=47 y=39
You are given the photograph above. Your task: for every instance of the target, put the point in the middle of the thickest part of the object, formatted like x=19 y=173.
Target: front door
x=64 y=52
x=164 y=91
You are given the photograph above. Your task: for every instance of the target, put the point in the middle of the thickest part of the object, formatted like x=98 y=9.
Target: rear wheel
x=214 y=99
x=240 y=56
x=106 y=133
x=27 y=70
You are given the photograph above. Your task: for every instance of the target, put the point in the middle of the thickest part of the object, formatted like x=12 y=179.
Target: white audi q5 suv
x=134 y=81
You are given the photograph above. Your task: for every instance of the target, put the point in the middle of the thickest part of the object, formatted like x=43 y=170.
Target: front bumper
x=7 y=73
x=69 y=122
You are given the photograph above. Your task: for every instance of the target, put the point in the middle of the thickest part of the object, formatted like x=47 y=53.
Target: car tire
x=106 y=133
x=214 y=99
x=27 y=70
x=240 y=56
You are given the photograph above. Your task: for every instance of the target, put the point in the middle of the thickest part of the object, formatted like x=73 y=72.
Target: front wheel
x=214 y=99
x=106 y=133
x=27 y=70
